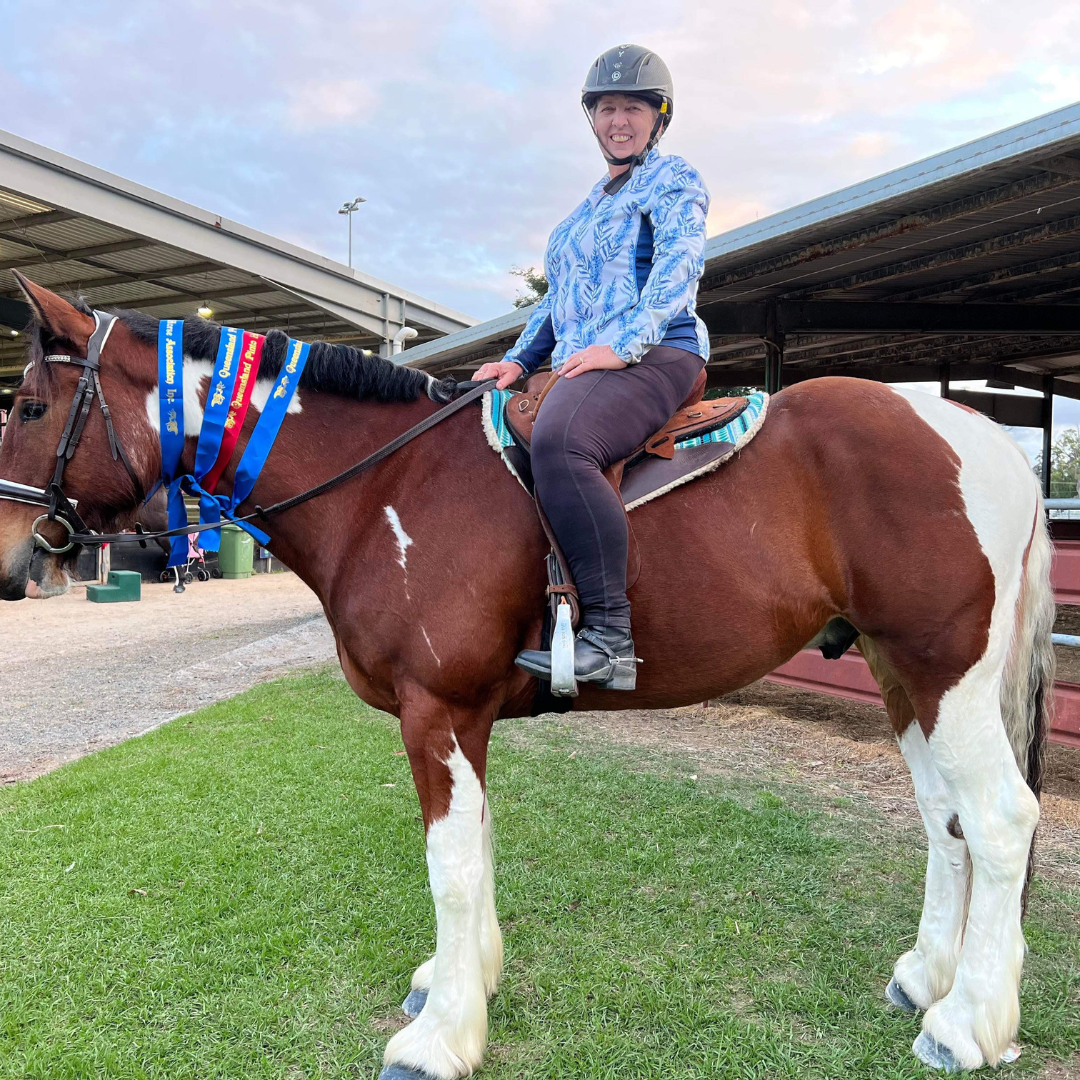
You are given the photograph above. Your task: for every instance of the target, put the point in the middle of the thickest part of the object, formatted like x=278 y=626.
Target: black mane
x=331 y=369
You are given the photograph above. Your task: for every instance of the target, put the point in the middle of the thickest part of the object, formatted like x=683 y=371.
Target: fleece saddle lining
x=653 y=477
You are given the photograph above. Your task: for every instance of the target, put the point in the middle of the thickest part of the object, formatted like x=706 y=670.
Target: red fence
x=849 y=677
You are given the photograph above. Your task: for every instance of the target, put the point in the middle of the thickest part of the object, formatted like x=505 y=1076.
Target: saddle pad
x=656 y=476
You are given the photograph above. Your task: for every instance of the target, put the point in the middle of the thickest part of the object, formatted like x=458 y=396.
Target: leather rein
x=62 y=509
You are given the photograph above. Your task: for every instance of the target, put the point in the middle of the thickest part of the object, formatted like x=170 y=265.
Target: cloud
x=318 y=106
x=460 y=123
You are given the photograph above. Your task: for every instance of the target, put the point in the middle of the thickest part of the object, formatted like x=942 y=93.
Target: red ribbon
x=250 y=356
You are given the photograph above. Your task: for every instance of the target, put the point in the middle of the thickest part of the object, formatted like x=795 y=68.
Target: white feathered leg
x=447 y=1039
x=975 y=1022
x=491 y=944
x=925 y=973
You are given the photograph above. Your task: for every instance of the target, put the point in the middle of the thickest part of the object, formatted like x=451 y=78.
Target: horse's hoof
x=403 y=1072
x=934 y=1054
x=414 y=1004
x=1012 y=1052
x=898 y=997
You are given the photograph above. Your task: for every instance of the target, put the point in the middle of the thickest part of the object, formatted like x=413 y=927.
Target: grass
x=242 y=893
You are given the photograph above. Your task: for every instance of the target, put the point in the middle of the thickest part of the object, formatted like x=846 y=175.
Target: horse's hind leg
x=925 y=973
x=997 y=811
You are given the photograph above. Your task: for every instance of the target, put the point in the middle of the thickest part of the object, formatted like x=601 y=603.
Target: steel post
x=774 y=351
x=1048 y=432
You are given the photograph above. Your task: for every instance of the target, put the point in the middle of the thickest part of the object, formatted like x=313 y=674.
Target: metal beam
x=894 y=373
x=854 y=316
x=30 y=221
x=1064 y=166
x=68 y=184
x=76 y=254
x=1013 y=410
x=253 y=288
x=89 y=284
x=950 y=257
x=1048 y=432
x=937 y=215
x=1033 y=268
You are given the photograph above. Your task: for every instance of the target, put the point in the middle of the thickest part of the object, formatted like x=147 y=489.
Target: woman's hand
x=594 y=358
x=506 y=371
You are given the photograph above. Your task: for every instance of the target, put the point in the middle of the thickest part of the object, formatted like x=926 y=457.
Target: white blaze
x=404 y=540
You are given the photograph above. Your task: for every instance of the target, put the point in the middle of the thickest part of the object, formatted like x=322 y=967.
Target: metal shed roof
x=76 y=228
x=969 y=258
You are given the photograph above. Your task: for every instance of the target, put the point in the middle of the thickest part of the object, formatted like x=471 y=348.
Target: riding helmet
x=636 y=72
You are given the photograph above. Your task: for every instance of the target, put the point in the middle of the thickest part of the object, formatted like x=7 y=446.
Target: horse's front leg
x=447 y=749
x=491 y=944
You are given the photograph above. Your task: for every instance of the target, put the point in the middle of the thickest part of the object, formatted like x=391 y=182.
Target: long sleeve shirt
x=623 y=269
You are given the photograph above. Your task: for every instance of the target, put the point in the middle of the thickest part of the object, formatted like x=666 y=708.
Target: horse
x=918 y=521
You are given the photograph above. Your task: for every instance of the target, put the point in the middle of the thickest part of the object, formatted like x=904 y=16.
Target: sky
x=460 y=122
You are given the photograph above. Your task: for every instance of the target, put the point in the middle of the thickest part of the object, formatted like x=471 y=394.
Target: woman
x=618 y=324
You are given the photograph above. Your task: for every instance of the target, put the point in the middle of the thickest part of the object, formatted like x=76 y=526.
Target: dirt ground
x=77 y=677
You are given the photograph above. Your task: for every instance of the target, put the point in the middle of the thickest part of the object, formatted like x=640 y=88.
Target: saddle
x=693 y=417
x=649 y=469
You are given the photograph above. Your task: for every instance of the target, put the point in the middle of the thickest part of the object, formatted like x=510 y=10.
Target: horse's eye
x=32 y=410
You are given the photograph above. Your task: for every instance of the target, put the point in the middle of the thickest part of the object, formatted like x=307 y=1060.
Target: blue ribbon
x=266 y=430
x=218 y=396
x=171 y=411
x=171 y=417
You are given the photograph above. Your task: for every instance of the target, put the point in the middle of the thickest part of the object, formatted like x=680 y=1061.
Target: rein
x=62 y=509
x=265 y=513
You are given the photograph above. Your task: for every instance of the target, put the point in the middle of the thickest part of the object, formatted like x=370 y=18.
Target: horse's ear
x=55 y=314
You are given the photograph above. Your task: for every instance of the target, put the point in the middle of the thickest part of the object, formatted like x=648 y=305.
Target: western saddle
x=647 y=468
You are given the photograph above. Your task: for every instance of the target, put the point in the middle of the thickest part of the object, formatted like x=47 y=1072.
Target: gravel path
x=79 y=676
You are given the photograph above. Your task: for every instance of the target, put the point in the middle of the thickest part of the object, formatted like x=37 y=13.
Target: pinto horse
x=917 y=521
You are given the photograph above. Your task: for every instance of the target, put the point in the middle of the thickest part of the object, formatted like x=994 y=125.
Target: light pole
x=348 y=210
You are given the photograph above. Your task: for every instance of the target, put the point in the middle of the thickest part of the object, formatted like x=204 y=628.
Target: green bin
x=237 y=555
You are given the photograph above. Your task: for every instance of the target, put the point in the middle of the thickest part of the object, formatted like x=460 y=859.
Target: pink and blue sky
x=460 y=123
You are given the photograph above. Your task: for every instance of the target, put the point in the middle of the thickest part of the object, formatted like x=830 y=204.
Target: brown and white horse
x=919 y=522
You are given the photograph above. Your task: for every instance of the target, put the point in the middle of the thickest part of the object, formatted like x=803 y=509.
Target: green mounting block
x=124 y=585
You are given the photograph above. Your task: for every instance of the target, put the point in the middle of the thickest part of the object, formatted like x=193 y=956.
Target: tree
x=1064 y=464
x=535 y=283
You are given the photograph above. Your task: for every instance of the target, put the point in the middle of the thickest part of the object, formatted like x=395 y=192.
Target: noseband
x=60 y=507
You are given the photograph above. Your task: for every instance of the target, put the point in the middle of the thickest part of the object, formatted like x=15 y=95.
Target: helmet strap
x=616 y=183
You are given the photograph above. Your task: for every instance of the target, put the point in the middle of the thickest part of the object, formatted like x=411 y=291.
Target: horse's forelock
x=38 y=381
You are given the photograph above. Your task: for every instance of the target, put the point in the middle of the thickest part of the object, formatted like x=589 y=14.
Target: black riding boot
x=602 y=655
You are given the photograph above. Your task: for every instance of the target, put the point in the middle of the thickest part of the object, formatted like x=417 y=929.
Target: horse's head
x=105 y=493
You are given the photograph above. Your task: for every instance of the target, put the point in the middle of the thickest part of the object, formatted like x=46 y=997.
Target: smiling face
x=623 y=124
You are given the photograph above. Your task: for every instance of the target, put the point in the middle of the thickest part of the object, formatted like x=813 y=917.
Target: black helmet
x=636 y=72
x=631 y=70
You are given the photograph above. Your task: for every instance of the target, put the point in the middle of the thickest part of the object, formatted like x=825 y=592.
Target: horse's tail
x=1027 y=691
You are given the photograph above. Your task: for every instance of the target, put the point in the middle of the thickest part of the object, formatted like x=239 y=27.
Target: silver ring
x=41 y=542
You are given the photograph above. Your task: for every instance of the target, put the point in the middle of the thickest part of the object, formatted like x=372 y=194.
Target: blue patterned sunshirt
x=623 y=270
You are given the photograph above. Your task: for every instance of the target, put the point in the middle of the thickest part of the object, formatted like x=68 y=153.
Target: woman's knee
x=565 y=436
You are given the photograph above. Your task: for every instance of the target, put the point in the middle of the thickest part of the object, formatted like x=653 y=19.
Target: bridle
x=62 y=509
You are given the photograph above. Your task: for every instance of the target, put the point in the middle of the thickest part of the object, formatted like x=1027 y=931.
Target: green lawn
x=242 y=893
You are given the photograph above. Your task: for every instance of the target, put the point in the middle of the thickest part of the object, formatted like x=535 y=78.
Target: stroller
x=195 y=567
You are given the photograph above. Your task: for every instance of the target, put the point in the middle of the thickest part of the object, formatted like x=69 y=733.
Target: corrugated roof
x=994 y=221
x=73 y=227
